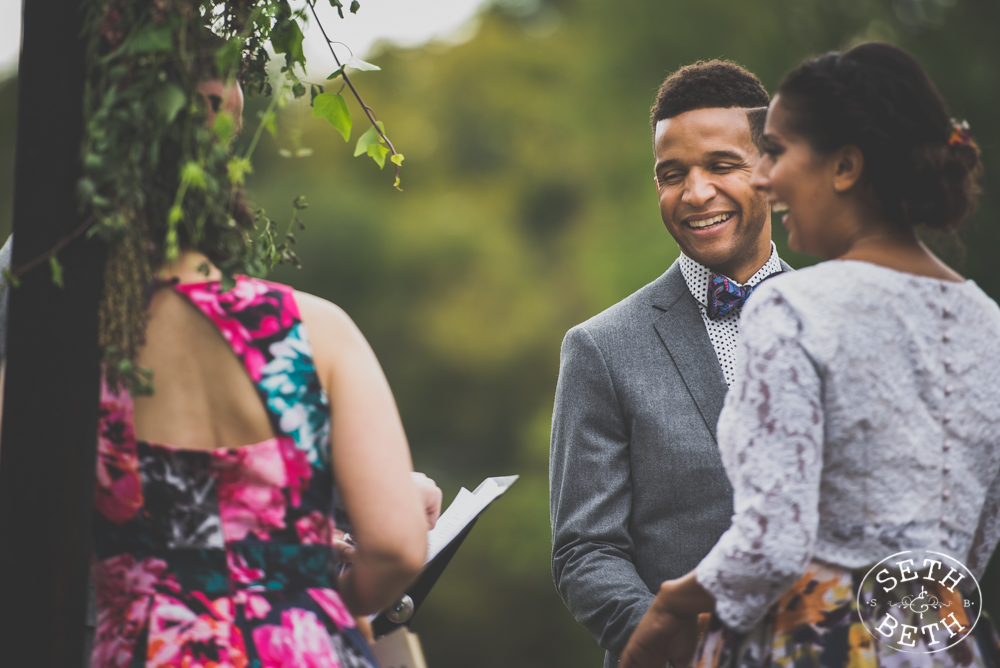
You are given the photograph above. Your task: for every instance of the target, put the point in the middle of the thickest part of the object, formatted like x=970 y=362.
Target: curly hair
x=710 y=85
x=878 y=98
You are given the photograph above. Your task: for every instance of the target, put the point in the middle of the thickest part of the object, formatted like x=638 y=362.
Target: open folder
x=443 y=540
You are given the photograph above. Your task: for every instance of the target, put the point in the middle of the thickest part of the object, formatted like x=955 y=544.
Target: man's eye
x=671 y=178
x=723 y=167
x=772 y=151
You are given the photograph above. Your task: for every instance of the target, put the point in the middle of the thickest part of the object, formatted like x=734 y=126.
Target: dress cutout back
x=225 y=557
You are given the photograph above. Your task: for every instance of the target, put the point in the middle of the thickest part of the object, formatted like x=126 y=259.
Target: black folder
x=418 y=591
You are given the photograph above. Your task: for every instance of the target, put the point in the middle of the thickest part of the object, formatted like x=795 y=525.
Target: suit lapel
x=683 y=333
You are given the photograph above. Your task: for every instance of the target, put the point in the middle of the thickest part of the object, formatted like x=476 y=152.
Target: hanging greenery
x=157 y=178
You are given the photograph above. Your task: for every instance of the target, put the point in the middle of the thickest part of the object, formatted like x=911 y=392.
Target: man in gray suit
x=637 y=489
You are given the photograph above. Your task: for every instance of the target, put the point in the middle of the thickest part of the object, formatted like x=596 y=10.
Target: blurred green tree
x=529 y=207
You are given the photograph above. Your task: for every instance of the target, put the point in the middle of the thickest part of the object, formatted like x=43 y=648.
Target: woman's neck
x=189 y=267
x=898 y=249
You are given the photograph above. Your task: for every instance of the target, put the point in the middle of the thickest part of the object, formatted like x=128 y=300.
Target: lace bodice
x=865 y=420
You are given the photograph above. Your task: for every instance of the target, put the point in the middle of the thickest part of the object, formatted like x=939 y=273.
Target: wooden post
x=51 y=392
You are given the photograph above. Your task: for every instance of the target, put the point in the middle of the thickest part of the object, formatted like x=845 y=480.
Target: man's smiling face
x=704 y=161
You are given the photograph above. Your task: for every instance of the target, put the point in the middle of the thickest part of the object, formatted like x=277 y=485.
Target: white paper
x=465 y=508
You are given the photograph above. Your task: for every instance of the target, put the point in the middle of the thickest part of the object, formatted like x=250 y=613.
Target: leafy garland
x=156 y=179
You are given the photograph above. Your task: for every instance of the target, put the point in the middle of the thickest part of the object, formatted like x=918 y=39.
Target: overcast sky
x=407 y=22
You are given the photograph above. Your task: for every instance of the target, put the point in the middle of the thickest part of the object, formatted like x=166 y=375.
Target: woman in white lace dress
x=865 y=418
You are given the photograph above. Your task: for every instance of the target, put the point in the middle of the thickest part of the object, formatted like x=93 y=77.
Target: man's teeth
x=779 y=207
x=708 y=222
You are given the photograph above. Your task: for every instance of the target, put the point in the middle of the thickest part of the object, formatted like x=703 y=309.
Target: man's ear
x=848 y=165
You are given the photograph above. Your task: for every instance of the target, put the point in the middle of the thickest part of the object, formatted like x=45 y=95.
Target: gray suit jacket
x=638 y=494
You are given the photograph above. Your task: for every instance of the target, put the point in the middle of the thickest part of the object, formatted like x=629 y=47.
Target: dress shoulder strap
x=261 y=322
x=251 y=316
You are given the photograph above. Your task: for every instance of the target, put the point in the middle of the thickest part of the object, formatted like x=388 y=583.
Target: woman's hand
x=343 y=546
x=431 y=496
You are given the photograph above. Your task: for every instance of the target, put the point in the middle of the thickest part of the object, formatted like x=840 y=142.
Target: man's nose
x=700 y=189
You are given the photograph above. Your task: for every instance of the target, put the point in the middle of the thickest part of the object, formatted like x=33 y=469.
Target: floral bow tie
x=726 y=296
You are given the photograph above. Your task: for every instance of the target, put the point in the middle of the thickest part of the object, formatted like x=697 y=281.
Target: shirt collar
x=697 y=275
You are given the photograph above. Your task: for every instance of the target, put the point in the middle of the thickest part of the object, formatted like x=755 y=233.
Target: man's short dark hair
x=713 y=84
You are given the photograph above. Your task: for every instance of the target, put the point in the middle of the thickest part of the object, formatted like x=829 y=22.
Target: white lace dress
x=864 y=420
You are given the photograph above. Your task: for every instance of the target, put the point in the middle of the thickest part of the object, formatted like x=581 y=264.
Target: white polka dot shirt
x=724 y=333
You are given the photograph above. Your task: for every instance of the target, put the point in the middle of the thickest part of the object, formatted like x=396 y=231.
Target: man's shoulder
x=635 y=313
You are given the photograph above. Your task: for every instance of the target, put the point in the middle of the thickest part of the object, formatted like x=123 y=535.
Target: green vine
x=157 y=180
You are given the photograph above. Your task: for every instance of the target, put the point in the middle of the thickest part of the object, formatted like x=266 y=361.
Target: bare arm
x=371 y=461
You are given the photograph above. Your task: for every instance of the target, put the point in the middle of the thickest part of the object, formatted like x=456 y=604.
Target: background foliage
x=529 y=206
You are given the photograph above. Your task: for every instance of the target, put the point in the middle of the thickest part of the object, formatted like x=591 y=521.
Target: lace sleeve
x=771 y=439
x=988 y=532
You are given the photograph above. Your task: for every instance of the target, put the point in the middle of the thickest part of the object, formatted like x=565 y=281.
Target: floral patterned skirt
x=816 y=624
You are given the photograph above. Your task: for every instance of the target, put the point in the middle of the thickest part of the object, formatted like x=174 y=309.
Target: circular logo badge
x=919 y=601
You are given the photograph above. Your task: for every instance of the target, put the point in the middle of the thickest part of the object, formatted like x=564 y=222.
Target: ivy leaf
x=117 y=72
x=359 y=64
x=337 y=73
x=154 y=39
x=378 y=153
x=85 y=189
x=314 y=90
x=268 y=121
x=333 y=108
x=238 y=170
x=228 y=56
x=223 y=126
x=339 y=6
x=11 y=278
x=355 y=6
x=367 y=139
x=287 y=39
x=175 y=215
x=299 y=89
x=57 y=271
x=397 y=159
x=170 y=99
x=192 y=174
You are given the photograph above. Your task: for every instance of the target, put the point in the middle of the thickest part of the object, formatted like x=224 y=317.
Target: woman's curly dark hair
x=878 y=98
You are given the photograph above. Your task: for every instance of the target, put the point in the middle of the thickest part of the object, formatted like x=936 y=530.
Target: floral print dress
x=816 y=624
x=224 y=558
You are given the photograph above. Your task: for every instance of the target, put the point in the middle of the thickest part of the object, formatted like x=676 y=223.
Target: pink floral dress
x=224 y=558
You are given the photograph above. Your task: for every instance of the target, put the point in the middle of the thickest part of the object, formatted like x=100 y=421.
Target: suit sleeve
x=590 y=494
